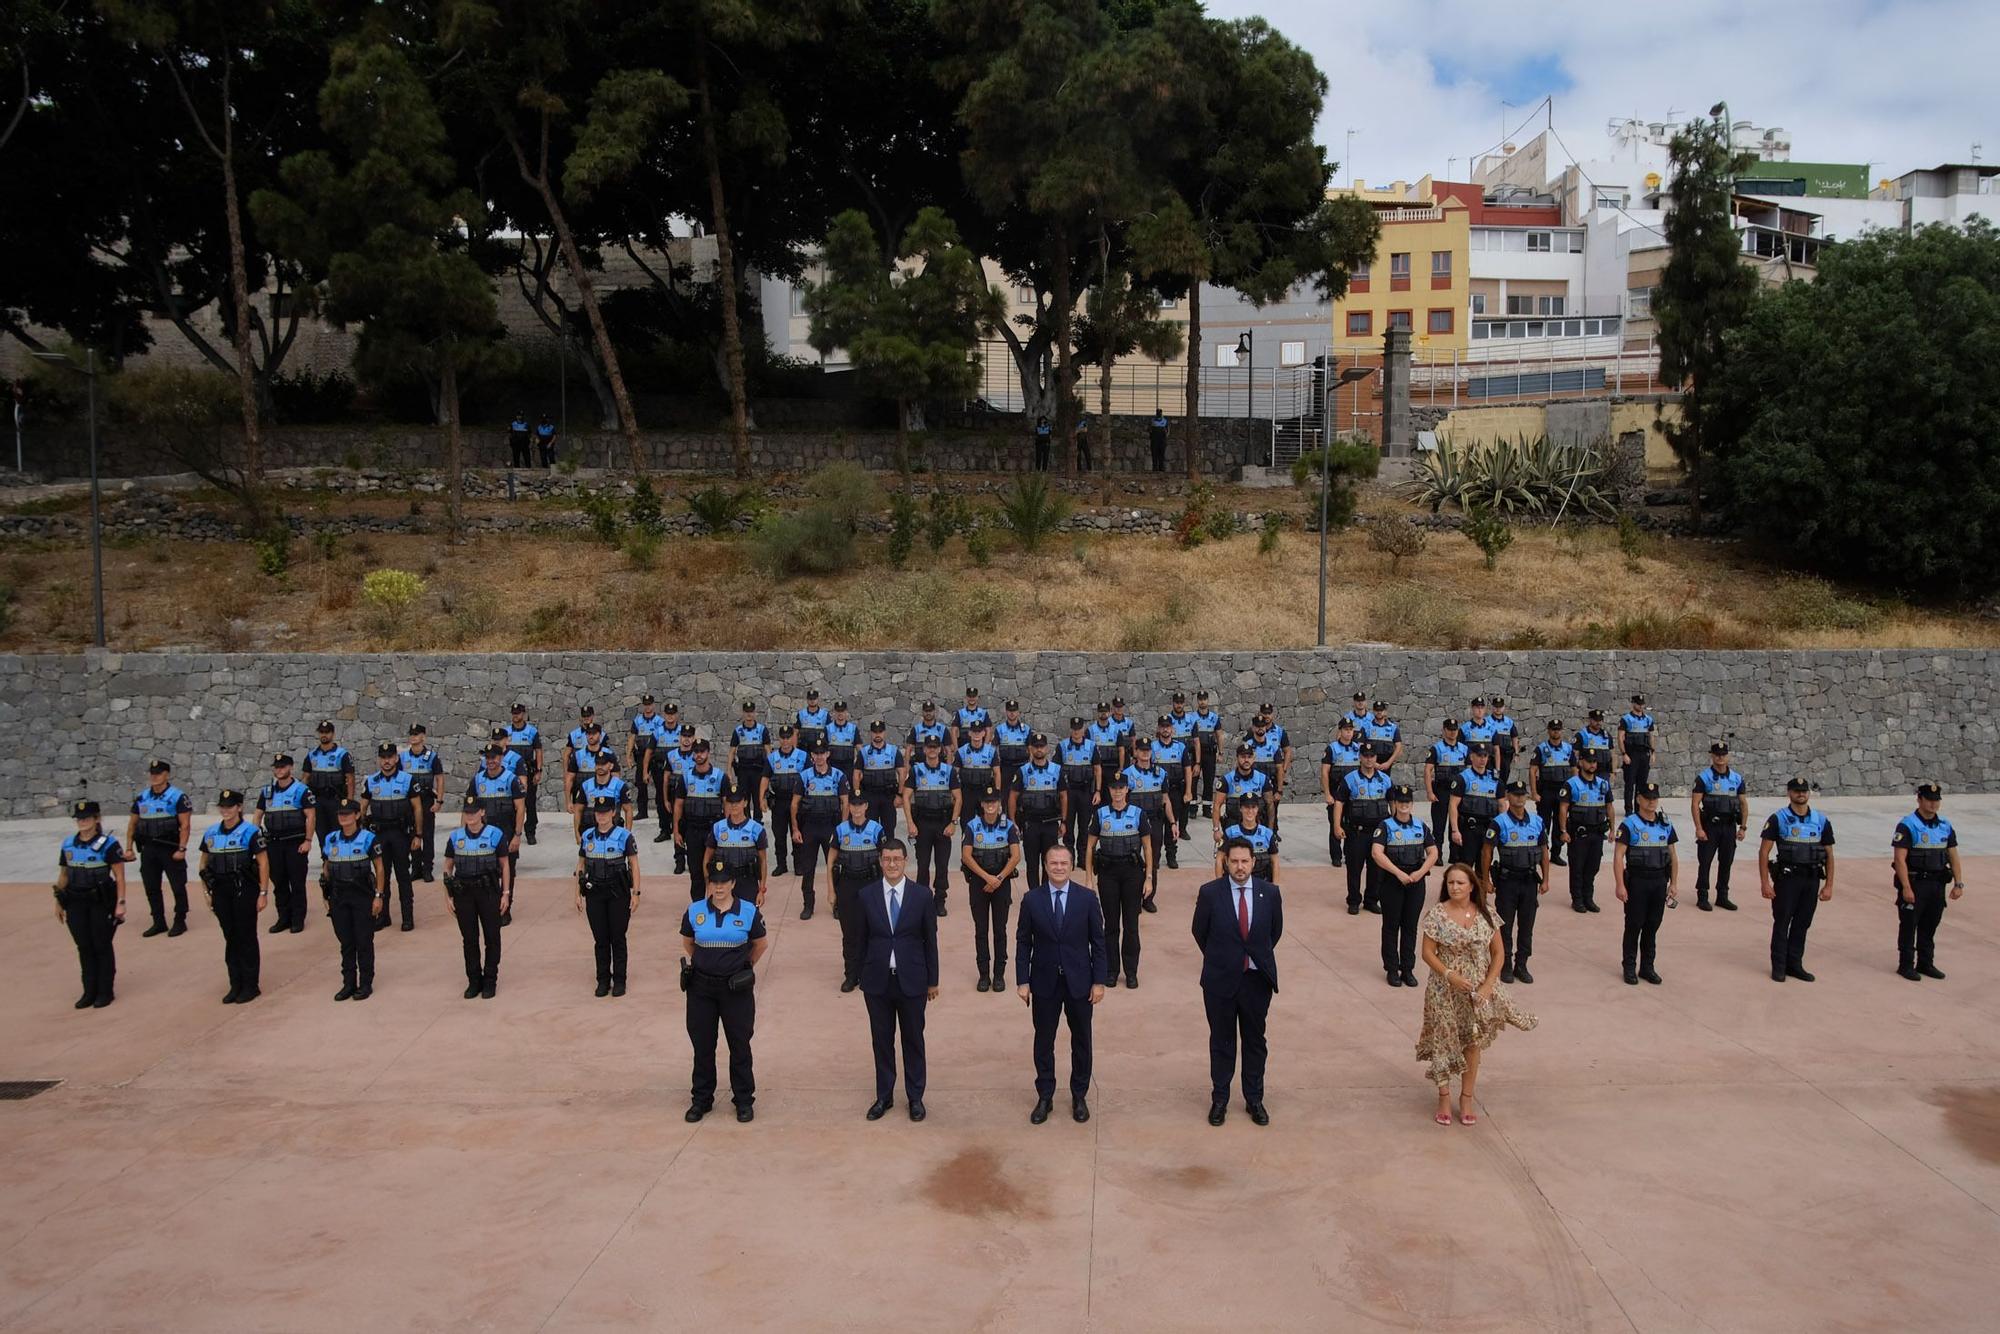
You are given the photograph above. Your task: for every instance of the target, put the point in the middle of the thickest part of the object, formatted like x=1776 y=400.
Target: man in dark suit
x=1237 y=922
x=899 y=975
x=1060 y=963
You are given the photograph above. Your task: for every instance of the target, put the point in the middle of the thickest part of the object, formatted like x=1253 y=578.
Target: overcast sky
x=1899 y=84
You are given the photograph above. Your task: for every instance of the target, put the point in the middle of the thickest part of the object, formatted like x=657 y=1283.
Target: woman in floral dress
x=1464 y=1007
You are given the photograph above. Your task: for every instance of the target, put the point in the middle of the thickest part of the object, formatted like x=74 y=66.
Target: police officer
x=524 y=743
x=928 y=725
x=233 y=871
x=1107 y=750
x=1403 y=849
x=1592 y=739
x=879 y=779
x=1550 y=765
x=90 y=900
x=1645 y=871
x=545 y=440
x=991 y=856
x=1444 y=759
x=1925 y=848
x=421 y=761
x=1359 y=809
x=1720 y=809
x=1038 y=803
x=509 y=761
x=647 y=751
x=1516 y=860
x=1637 y=739
x=1170 y=752
x=1122 y=858
x=741 y=840
x=1245 y=779
x=1260 y=838
x=158 y=831
x=1010 y=738
x=1341 y=758
x=389 y=809
x=843 y=738
x=722 y=938
x=503 y=796
x=356 y=885
x=1480 y=730
x=784 y=770
x=970 y=714
x=518 y=434
x=699 y=807
x=1147 y=782
x=932 y=800
x=977 y=760
x=1208 y=742
x=1045 y=435
x=607 y=890
x=810 y=723
x=857 y=861
x=329 y=770
x=1083 y=442
x=1267 y=757
x=1078 y=759
x=814 y=817
x=1270 y=715
x=477 y=882
x=749 y=744
x=606 y=781
x=1505 y=739
x=579 y=763
x=1585 y=819
x=1385 y=734
x=1475 y=800
x=586 y=720
x=680 y=759
x=1799 y=880
x=286 y=811
x=1157 y=439
x=1358 y=711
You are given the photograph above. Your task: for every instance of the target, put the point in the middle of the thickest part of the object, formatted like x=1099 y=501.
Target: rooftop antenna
x=1975 y=153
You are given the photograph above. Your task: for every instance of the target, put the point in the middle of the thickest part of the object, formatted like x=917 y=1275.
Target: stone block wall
x=1856 y=721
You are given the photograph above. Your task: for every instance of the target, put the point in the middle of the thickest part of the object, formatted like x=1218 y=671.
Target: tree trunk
x=903 y=441
x=1191 y=428
x=1064 y=299
x=732 y=330
x=454 y=503
x=239 y=291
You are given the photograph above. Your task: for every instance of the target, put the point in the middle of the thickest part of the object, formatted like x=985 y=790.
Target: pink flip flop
x=1443 y=1118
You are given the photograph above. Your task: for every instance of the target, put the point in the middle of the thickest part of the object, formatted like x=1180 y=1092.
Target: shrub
x=1489 y=532
x=904 y=521
x=470 y=615
x=1274 y=528
x=642 y=548
x=1397 y=539
x=274 y=552
x=716 y=510
x=847 y=491
x=306 y=398
x=1034 y=511
x=1191 y=529
x=549 y=623
x=1349 y=461
x=391 y=592
x=1221 y=524
x=6 y=607
x=1522 y=476
x=643 y=511
x=1631 y=542
x=601 y=509
x=983 y=607
x=1806 y=603
x=812 y=541
x=1653 y=629
x=1154 y=631
x=1572 y=538
x=979 y=544
x=325 y=544
x=1410 y=614
x=949 y=516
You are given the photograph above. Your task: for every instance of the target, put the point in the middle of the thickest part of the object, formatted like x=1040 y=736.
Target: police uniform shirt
x=1107 y=734
x=782 y=761
x=979 y=834
x=1511 y=831
x=1209 y=722
x=613 y=787
x=158 y=814
x=1594 y=793
x=649 y=731
x=1076 y=754
x=579 y=737
x=246 y=840
x=1252 y=784
x=1812 y=827
x=1635 y=831
x=1638 y=726
x=1590 y=739
x=749 y=834
x=863 y=837
x=1445 y=756
x=1032 y=777
x=293 y=796
x=387 y=787
x=476 y=854
x=584 y=759
x=1478 y=729
x=925 y=777
x=510 y=764
x=983 y=757
x=880 y=762
x=812 y=721
x=94 y=859
x=1367 y=787
x=1262 y=839
x=1122 y=726
x=1383 y=735
x=1151 y=778
x=923 y=732
x=1343 y=754
x=813 y=783
x=1268 y=751
x=424 y=767
x=1708 y=782
x=1559 y=754
x=1394 y=833
x=600 y=846
x=1116 y=823
x=967 y=717
x=505 y=784
x=347 y=859
x=722 y=940
x=526 y=738
x=756 y=736
x=1183 y=723
x=680 y=761
x=1924 y=841
x=1169 y=752
x=1472 y=783
x=329 y=763
x=843 y=734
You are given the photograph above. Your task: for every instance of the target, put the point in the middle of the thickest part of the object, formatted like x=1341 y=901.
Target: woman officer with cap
x=722 y=938
x=90 y=900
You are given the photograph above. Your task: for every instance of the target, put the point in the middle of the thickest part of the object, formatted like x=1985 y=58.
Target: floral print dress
x=1455 y=1020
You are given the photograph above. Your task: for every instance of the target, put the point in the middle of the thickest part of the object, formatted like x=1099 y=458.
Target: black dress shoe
x=230 y=999
x=917 y=1110
x=1798 y=972
x=805 y=913
x=363 y=993
x=83 y=1001
x=745 y=1114
x=1579 y=906
x=1131 y=981
x=531 y=838
x=1930 y=970
x=618 y=987
x=1910 y=972
x=604 y=988
x=1000 y=980
x=1591 y=904
x=274 y=928
x=1701 y=902
x=1724 y=902
x=880 y=1108
x=662 y=836
x=1507 y=972
x=101 y=1001
x=1777 y=973
x=1042 y=1108
x=1147 y=903
x=1079 y=1109
x=1112 y=982
x=297 y=927
x=408 y=925
x=248 y=994
x=848 y=984
x=1218 y=1112
x=694 y=1113
x=345 y=993
x=1258 y=1116
x=178 y=929
x=1410 y=979
x=1395 y=978
x=156 y=929
x=1631 y=978
x=1521 y=973
x=942 y=911
x=487 y=991
x=1375 y=908
x=985 y=983
x=1650 y=976
x=471 y=990
x=1353 y=910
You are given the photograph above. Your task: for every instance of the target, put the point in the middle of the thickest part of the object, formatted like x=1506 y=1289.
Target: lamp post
x=89 y=372
x=1349 y=376
x=1246 y=351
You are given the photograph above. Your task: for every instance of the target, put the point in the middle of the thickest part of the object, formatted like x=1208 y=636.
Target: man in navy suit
x=1060 y=964
x=899 y=975
x=1237 y=922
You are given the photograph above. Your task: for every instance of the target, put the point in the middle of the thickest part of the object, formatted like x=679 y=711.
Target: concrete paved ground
x=1722 y=1152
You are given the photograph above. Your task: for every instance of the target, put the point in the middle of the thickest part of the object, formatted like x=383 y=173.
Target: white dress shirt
x=893 y=892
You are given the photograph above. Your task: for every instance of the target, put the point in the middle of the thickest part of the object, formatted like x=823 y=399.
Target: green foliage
x=979 y=543
x=846 y=490
x=6 y=607
x=1154 y=631
x=1856 y=416
x=1489 y=532
x=1414 y=616
x=601 y=509
x=811 y=541
x=274 y=551
x=644 y=512
x=642 y=547
x=549 y=623
x=1656 y=629
x=1521 y=476
x=1632 y=544
x=716 y=509
x=904 y=521
x=1347 y=462
x=391 y=592
x=305 y=398
x=1806 y=603
x=470 y=615
x=949 y=516
x=1191 y=529
x=1034 y=511
x=325 y=544
x=1268 y=537
x=1397 y=539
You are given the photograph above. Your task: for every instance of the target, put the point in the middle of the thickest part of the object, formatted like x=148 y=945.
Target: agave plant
x=1524 y=476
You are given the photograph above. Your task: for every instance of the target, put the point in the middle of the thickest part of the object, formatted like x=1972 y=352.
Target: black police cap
x=671 y=706
x=1597 y=715
x=1117 y=701
x=347 y=806
x=1517 y=788
x=1076 y=722
x=1402 y=792
x=497 y=734
x=930 y=706
x=83 y=810
x=1718 y=747
x=734 y=792
x=687 y=729
x=1013 y=705
x=586 y=711
x=1930 y=792
x=819 y=747
x=749 y=706
x=605 y=757
x=418 y=729
x=519 y=708
x=229 y=796
x=1103 y=706
x=1245 y=749
x=1478 y=701
x=280 y=760
x=1037 y=739
x=972 y=692
x=1479 y=748
x=603 y=803
x=1451 y=724
x=386 y=749
x=471 y=803
x=1360 y=697
x=1142 y=743
x=990 y=797
x=1649 y=790
x=1376 y=751
x=1555 y=724
x=878 y=726
x=1267 y=708
x=492 y=752
x=1381 y=705
x=719 y=872
x=1586 y=757
x=1180 y=697
x=812 y=692
x=840 y=706
x=647 y=699
x=325 y=725
x=933 y=742
x=1164 y=721
x=1344 y=721
x=1201 y=694
x=788 y=730
x=1798 y=783
x=593 y=726
x=1497 y=702
x=1640 y=700
x=1119 y=780
x=158 y=767
x=701 y=744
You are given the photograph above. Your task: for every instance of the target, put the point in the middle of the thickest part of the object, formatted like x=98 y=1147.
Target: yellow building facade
x=1418 y=278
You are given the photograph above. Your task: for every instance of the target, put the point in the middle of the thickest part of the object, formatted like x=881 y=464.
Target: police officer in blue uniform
x=605 y=782
x=1078 y=758
x=286 y=811
x=1799 y=880
x=518 y=435
x=1637 y=739
x=1267 y=757
x=477 y=883
x=1107 y=750
x=1147 y=781
x=356 y=885
x=970 y=714
x=1475 y=800
x=1359 y=810
x=158 y=833
x=722 y=938
x=90 y=901
x=586 y=723
x=1121 y=856
x=1010 y=739
x=1925 y=849
x=421 y=761
x=784 y=770
x=1585 y=822
x=607 y=890
x=1480 y=730
x=503 y=796
x=329 y=772
x=1038 y=803
x=647 y=751
x=991 y=855
x=1385 y=734
x=1253 y=833
x=587 y=744
x=699 y=807
x=928 y=725
x=1341 y=758
x=1594 y=740
x=1549 y=768
x=680 y=758
x=1505 y=739
x=1358 y=712
x=545 y=440
x=524 y=743
x=749 y=745
x=1403 y=849
x=857 y=861
x=815 y=816
x=1516 y=860
x=1645 y=871
x=389 y=809
x=1242 y=780
x=1157 y=440
x=932 y=800
x=233 y=871
x=977 y=760
x=1721 y=811
x=1045 y=435
x=843 y=738
x=1170 y=752
x=809 y=724
x=1208 y=744
x=742 y=841
x=879 y=777
x=1444 y=760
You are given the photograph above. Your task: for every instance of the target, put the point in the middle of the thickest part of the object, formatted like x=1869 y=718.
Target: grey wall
x=1858 y=721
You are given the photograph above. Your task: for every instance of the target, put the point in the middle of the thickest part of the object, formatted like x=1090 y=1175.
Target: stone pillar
x=1399 y=436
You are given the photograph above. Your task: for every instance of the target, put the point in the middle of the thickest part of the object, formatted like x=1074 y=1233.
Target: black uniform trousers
x=644 y=774
x=882 y=810
x=234 y=903
x=888 y=1014
x=1049 y=1011
x=818 y=844
x=529 y=823
x=478 y=909
x=1178 y=805
x=780 y=825
x=1402 y=909
x=1037 y=837
x=1797 y=898
x=1233 y=1018
x=423 y=859
x=932 y=865
x=1916 y=923
x=694 y=834
x=1506 y=755
x=1719 y=849
x=1356 y=854
x=353 y=913
x=1159 y=448
x=1082 y=815
x=1548 y=805
x=1041 y=454
x=1638 y=770
x=989 y=926
x=1474 y=829
x=1586 y=855
x=395 y=842
x=1155 y=825
x=91 y=917
x=1207 y=752
x=847 y=911
x=289 y=885
x=712 y=1005
x=748 y=776
x=157 y=860
x=1121 y=887
x=610 y=913
x=1516 y=896
x=1645 y=909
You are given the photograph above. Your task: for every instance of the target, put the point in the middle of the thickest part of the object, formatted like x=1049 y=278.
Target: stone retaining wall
x=1856 y=721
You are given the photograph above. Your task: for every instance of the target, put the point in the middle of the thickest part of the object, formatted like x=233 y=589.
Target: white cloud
x=1897 y=85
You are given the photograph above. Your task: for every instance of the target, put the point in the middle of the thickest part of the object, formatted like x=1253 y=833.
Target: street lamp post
x=89 y=372
x=1349 y=376
x=1246 y=351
